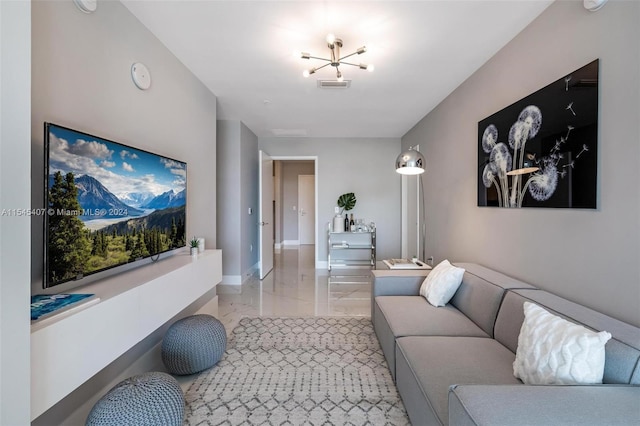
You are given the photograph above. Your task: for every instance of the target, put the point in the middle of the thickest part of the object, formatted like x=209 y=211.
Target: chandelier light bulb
x=331 y=38
x=361 y=50
x=370 y=68
x=339 y=76
x=303 y=55
x=305 y=73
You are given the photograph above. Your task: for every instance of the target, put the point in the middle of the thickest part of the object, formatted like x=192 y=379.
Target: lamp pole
x=412 y=162
x=422 y=215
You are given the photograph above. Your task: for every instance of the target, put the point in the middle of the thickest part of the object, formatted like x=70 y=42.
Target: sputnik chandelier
x=334 y=45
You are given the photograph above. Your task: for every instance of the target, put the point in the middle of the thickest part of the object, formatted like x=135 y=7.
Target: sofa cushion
x=431 y=365
x=396 y=282
x=398 y=316
x=622 y=352
x=414 y=316
x=441 y=283
x=521 y=405
x=481 y=292
x=554 y=351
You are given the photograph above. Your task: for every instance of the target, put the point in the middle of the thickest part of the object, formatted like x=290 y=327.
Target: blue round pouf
x=193 y=344
x=148 y=399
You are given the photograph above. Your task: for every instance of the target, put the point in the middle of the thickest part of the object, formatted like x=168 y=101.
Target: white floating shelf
x=67 y=351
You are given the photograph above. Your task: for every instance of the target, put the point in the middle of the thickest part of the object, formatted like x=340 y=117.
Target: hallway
x=294 y=288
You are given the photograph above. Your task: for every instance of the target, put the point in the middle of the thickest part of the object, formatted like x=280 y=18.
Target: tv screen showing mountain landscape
x=107 y=204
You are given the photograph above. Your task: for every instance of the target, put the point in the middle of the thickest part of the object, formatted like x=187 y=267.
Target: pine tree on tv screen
x=108 y=205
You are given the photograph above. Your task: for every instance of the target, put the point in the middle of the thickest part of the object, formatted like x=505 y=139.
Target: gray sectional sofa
x=454 y=364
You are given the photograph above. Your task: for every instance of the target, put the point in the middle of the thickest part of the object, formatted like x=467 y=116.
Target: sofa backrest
x=622 y=356
x=481 y=292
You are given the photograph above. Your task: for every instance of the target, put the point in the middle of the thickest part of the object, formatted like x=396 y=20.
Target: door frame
x=265 y=209
x=313 y=158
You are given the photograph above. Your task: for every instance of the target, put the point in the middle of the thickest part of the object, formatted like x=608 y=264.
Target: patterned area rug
x=295 y=371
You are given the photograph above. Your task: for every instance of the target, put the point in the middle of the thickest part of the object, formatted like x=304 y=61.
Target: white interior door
x=266 y=214
x=306 y=209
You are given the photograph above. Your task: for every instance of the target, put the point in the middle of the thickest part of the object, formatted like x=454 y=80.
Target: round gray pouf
x=148 y=399
x=193 y=344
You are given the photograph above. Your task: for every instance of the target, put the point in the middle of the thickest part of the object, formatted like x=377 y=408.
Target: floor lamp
x=411 y=162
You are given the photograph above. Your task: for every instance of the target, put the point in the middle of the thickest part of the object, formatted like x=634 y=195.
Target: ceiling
x=422 y=50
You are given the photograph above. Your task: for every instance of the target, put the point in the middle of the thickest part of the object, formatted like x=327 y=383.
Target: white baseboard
x=232 y=284
x=291 y=243
x=231 y=280
x=322 y=264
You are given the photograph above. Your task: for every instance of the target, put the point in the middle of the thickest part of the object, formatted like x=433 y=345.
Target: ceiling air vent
x=333 y=84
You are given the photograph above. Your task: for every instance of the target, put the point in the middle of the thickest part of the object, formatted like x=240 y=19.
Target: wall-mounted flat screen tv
x=108 y=205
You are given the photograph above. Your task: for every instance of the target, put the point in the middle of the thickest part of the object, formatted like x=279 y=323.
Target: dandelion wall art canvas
x=542 y=150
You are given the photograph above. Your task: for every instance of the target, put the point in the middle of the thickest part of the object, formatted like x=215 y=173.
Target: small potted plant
x=347 y=202
x=193 y=244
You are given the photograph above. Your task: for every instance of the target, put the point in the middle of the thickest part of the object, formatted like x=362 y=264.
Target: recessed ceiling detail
x=335 y=44
x=288 y=132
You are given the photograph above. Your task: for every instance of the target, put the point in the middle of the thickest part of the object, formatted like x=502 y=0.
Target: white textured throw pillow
x=441 y=283
x=554 y=351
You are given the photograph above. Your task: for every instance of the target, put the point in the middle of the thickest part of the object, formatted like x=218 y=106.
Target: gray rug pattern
x=298 y=371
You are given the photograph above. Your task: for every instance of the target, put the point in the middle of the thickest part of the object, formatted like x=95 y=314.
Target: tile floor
x=296 y=288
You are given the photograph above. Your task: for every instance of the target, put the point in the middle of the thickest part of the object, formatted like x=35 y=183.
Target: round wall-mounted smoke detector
x=593 y=5
x=141 y=76
x=87 y=6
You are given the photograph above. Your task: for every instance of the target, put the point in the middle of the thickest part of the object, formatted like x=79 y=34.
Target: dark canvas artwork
x=542 y=151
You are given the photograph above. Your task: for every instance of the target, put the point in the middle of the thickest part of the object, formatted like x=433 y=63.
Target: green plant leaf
x=347 y=201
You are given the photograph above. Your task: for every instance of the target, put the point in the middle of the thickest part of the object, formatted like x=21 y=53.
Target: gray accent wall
x=238 y=192
x=81 y=78
x=588 y=256
x=249 y=199
x=229 y=189
x=15 y=193
x=364 y=166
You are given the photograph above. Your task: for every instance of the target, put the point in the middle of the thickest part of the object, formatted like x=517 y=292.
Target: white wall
x=15 y=188
x=81 y=79
x=589 y=256
x=364 y=166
